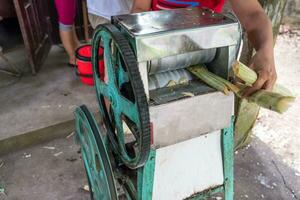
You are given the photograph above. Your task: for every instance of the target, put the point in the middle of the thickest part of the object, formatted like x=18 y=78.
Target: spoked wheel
x=95 y=157
x=121 y=96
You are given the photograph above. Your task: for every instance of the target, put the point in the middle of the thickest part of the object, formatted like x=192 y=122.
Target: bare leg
x=66 y=10
x=68 y=43
x=76 y=42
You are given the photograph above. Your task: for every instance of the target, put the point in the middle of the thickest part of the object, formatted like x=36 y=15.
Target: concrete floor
x=35 y=102
x=51 y=96
x=39 y=173
x=54 y=171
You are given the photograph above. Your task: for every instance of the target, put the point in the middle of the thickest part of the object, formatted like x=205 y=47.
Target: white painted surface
x=186 y=168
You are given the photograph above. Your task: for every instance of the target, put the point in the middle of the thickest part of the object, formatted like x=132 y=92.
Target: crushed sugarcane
x=234 y=88
x=278 y=102
x=209 y=78
x=171 y=83
x=188 y=94
x=183 y=81
x=244 y=73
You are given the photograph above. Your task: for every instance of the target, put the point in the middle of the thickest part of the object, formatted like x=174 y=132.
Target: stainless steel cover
x=159 y=34
x=169 y=20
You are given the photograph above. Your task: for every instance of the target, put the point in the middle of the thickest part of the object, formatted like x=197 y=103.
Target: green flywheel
x=121 y=96
x=94 y=154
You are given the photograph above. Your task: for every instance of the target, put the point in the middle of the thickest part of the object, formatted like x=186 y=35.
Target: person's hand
x=263 y=64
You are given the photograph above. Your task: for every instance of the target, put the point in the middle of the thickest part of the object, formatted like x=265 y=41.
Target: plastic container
x=84 y=64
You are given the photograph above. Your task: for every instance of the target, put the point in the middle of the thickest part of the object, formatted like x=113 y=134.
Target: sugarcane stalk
x=209 y=78
x=280 y=89
x=244 y=73
x=270 y=100
x=234 y=88
x=249 y=76
x=215 y=81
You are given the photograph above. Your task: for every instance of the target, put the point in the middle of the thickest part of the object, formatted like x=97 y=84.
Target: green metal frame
x=146 y=178
x=145 y=174
x=228 y=160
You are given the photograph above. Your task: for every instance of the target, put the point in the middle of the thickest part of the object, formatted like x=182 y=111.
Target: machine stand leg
x=228 y=161
x=146 y=178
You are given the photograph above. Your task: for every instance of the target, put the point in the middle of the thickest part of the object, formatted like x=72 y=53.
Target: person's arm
x=141 y=6
x=259 y=30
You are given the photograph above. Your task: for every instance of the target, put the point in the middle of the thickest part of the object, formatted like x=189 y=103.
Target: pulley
x=121 y=96
x=95 y=157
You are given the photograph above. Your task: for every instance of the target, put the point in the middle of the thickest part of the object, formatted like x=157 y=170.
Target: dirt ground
x=282 y=132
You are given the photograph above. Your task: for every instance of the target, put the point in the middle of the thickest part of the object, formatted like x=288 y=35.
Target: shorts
x=95 y=20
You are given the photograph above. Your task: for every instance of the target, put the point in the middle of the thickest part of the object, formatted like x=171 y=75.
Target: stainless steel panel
x=222 y=63
x=172 y=43
x=169 y=20
x=184 y=119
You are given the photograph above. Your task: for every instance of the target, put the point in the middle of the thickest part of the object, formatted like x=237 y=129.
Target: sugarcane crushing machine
x=162 y=134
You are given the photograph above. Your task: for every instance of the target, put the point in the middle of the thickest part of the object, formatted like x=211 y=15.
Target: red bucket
x=84 y=64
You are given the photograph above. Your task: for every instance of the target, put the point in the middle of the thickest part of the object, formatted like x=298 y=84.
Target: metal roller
x=161 y=80
x=181 y=61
